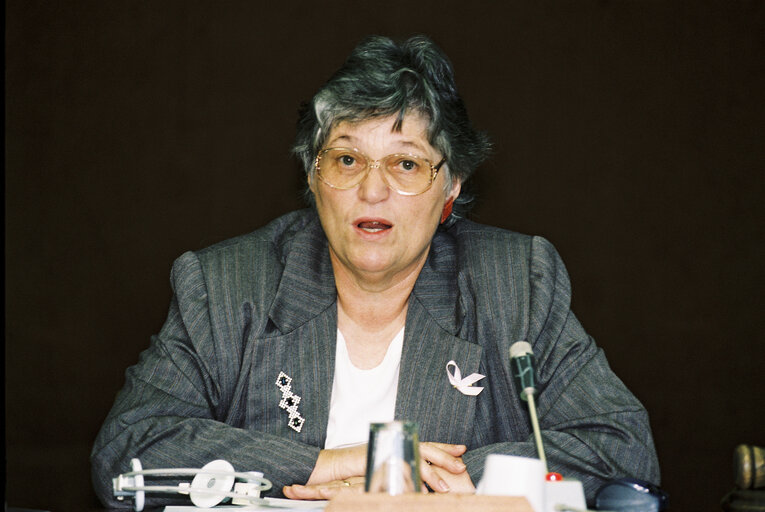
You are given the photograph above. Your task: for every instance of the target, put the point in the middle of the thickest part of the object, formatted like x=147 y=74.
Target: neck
x=373 y=303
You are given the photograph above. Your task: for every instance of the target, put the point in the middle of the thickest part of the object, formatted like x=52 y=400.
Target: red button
x=554 y=477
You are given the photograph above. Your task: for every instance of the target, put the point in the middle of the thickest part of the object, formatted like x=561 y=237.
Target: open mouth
x=372 y=226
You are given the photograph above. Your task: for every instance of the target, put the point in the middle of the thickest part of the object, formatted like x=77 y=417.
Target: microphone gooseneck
x=523 y=368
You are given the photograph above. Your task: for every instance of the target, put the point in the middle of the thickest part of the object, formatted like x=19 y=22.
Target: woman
x=281 y=346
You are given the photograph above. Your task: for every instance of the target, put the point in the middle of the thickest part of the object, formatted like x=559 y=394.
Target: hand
x=343 y=469
x=336 y=470
x=338 y=464
x=456 y=483
x=324 y=491
x=442 y=468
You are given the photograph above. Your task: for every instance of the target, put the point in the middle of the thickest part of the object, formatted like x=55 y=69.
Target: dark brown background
x=628 y=133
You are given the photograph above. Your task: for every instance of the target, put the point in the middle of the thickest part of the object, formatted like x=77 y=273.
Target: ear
x=310 y=180
x=449 y=200
x=454 y=192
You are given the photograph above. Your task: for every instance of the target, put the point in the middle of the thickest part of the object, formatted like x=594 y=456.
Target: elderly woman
x=281 y=346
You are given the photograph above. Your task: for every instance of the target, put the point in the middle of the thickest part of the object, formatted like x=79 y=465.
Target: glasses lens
x=408 y=173
x=341 y=168
x=345 y=168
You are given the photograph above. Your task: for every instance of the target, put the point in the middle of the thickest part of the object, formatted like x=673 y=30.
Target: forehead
x=381 y=132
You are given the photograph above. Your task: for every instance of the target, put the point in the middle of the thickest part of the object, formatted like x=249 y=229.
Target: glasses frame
x=375 y=164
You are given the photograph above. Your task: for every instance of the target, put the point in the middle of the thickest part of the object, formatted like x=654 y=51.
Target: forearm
x=597 y=450
x=167 y=442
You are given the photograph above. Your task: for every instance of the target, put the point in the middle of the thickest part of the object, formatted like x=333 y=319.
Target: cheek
x=324 y=200
x=427 y=215
x=436 y=207
x=332 y=208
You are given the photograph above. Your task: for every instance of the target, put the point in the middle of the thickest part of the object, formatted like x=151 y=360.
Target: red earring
x=447 y=210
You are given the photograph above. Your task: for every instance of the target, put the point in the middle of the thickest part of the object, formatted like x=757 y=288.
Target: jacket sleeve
x=593 y=428
x=172 y=410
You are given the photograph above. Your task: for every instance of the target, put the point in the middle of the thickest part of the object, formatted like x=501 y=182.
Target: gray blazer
x=249 y=309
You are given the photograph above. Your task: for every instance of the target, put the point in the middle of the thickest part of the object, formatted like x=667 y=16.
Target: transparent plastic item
x=393 y=458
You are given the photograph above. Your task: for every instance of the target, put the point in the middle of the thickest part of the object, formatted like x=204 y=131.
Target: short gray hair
x=381 y=78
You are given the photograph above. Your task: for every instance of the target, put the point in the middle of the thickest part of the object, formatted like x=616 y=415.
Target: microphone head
x=520 y=348
x=523 y=368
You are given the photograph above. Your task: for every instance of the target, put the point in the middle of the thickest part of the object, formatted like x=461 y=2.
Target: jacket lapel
x=425 y=394
x=307 y=285
x=300 y=343
x=298 y=406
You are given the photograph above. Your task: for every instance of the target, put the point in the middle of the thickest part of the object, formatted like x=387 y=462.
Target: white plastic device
x=211 y=484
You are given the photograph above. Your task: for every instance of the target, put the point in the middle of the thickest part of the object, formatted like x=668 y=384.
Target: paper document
x=266 y=504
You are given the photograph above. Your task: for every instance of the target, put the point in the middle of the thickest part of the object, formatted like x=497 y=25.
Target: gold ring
x=346 y=483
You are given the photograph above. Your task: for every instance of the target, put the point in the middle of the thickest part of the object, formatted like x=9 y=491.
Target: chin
x=371 y=266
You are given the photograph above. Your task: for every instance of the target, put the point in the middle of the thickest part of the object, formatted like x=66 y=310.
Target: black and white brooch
x=289 y=402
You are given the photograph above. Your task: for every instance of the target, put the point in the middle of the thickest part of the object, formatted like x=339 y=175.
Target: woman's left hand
x=442 y=468
x=455 y=482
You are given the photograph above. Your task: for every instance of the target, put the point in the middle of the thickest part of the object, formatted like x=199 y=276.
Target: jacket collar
x=437 y=288
x=307 y=286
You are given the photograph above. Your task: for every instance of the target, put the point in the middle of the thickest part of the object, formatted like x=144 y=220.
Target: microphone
x=523 y=368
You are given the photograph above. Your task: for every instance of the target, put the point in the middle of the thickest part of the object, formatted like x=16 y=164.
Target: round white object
x=140 y=496
x=212 y=482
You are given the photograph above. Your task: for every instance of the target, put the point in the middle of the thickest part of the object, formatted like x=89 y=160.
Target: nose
x=374 y=188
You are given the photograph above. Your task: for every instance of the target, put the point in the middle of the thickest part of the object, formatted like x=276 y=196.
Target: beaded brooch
x=289 y=402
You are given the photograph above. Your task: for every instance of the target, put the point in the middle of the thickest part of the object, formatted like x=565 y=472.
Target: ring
x=346 y=483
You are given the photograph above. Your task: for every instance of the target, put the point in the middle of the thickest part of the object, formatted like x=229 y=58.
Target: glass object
x=393 y=458
x=344 y=168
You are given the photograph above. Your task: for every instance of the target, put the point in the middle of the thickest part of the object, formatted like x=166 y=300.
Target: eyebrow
x=352 y=140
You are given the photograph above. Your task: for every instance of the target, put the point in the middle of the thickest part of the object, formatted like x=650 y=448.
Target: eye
x=404 y=164
x=408 y=165
x=347 y=160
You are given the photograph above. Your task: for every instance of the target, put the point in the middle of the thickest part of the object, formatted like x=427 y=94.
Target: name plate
x=353 y=502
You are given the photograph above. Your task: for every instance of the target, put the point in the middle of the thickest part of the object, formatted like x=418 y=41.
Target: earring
x=447 y=210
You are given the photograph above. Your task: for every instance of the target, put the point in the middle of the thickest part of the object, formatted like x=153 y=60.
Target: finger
x=452 y=449
x=302 y=492
x=433 y=479
x=461 y=483
x=323 y=491
x=329 y=492
x=434 y=455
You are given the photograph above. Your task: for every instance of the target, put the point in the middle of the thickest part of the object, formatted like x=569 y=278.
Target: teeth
x=373 y=227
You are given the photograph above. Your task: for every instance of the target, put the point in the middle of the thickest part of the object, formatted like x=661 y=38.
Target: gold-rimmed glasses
x=345 y=168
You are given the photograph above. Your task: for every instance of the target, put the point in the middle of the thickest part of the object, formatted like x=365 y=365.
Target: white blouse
x=361 y=397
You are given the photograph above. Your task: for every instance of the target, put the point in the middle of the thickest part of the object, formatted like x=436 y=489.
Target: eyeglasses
x=344 y=168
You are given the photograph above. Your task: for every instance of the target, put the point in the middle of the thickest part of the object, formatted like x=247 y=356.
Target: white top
x=361 y=397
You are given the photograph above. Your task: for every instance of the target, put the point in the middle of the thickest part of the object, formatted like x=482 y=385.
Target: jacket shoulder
x=492 y=245
x=506 y=278
x=239 y=277
x=273 y=240
x=480 y=245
